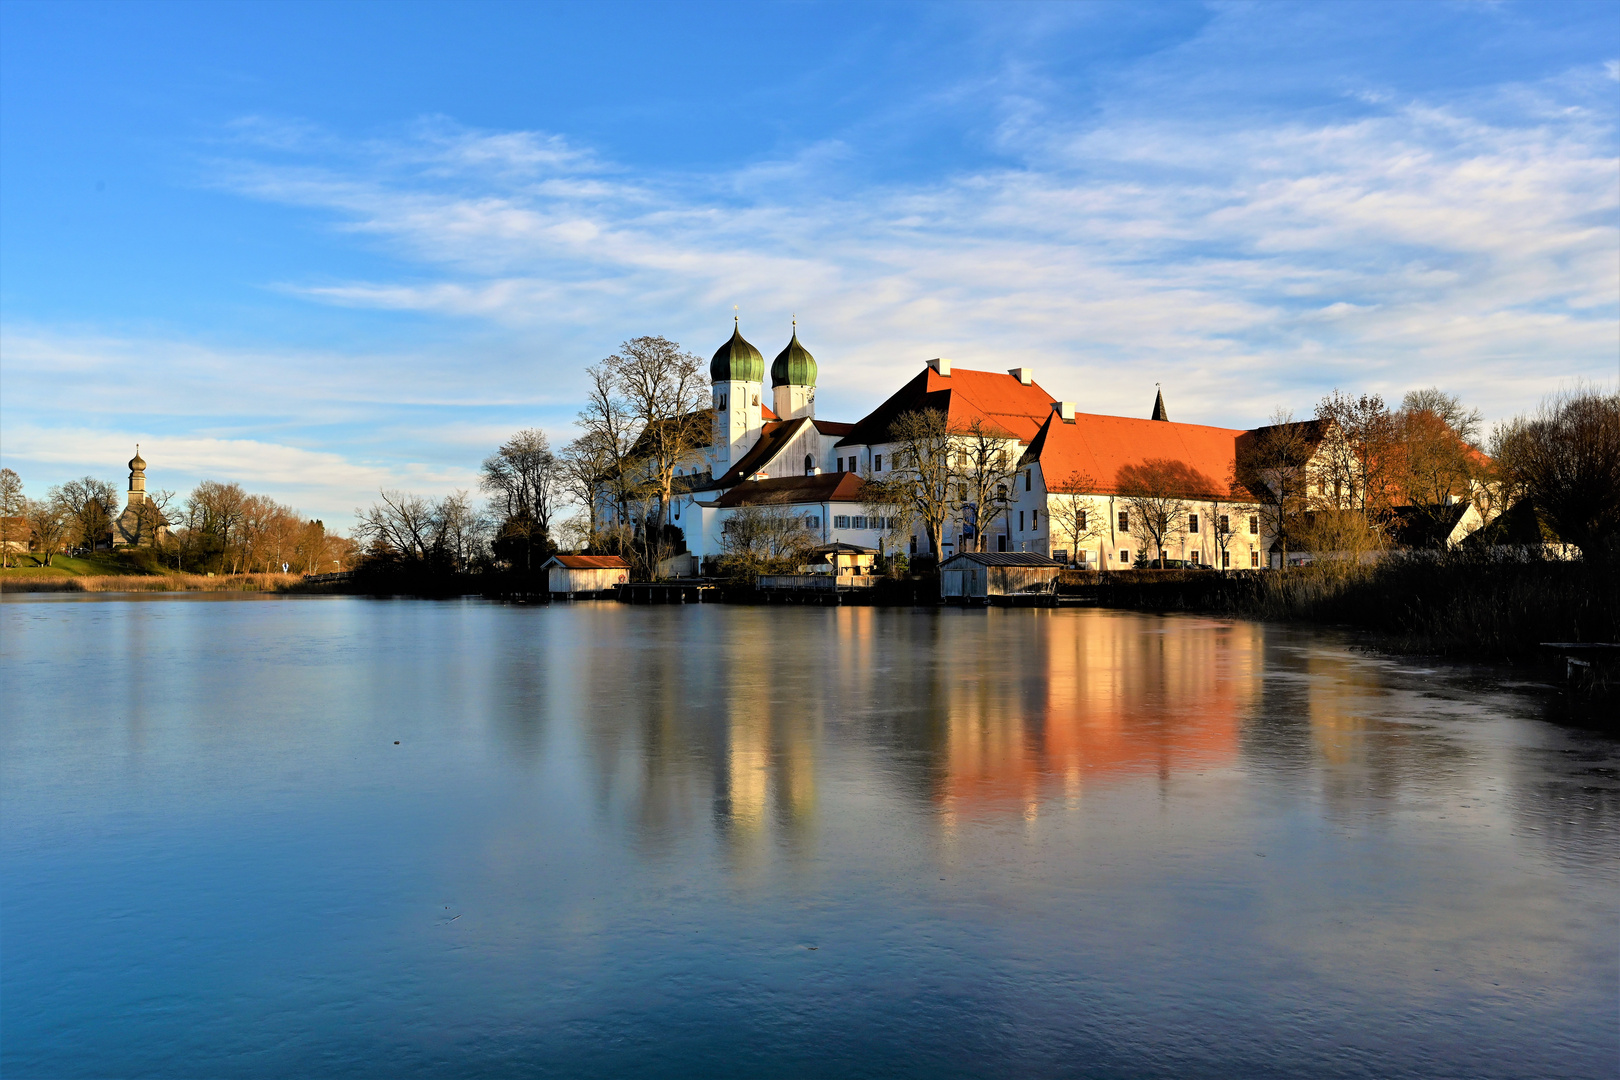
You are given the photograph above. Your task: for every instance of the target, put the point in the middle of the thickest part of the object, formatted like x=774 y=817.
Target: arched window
x=809 y=464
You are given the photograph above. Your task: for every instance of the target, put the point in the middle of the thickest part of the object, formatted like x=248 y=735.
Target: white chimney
x=1065 y=411
x=941 y=365
x=1024 y=375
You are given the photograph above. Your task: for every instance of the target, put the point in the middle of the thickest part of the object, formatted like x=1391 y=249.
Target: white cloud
x=1416 y=244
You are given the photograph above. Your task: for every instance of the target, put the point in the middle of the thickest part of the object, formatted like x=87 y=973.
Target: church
x=1066 y=500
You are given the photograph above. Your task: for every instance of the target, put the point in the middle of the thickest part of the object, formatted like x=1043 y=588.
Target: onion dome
x=737 y=361
x=137 y=463
x=794 y=366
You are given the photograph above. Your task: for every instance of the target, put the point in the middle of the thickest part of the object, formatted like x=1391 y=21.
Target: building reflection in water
x=964 y=713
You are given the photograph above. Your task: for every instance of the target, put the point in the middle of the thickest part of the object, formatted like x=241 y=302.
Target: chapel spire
x=1158 y=406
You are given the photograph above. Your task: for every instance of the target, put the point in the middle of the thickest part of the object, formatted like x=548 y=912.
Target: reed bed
x=152 y=583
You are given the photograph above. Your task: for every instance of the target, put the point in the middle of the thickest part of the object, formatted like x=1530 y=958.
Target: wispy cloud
x=1411 y=244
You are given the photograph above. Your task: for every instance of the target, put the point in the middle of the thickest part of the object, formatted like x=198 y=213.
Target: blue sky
x=323 y=248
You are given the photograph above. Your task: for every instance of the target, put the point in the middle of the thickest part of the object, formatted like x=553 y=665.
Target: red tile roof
x=590 y=562
x=828 y=487
x=1090 y=454
x=962 y=396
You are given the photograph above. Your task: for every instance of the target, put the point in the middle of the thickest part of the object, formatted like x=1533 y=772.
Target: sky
x=323 y=249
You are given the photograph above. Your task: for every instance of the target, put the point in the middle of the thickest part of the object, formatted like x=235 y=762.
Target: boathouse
x=1000 y=577
x=589 y=575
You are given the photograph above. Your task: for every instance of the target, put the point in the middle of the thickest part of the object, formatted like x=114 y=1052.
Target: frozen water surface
x=353 y=838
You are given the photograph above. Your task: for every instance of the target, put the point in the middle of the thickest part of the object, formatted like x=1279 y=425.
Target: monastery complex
x=775 y=451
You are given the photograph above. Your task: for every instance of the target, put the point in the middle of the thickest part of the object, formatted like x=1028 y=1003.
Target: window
x=840 y=464
x=677 y=509
x=840 y=521
x=1080 y=519
x=722 y=403
x=1125 y=555
x=1124 y=521
x=1225 y=525
x=1192 y=523
x=1195 y=558
x=877 y=462
x=812 y=521
x=1034 y=521
x=1226 y=560
x=1061 y=555
x=857 y=523
x=809 y=464
x=1254 y=559
x=1254 y=527
x=1020 y=521
x=1027 y=473
x=1001 y=541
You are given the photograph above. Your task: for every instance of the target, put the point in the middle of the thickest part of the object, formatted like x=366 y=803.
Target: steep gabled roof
x=963 y=395
x=774 y=438
x=828 y=487
x=831 y=427
x=1002 y=558
x=1088 y=455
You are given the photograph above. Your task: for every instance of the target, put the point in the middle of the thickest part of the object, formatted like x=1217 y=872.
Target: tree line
x=642 y=433
x=217 y=528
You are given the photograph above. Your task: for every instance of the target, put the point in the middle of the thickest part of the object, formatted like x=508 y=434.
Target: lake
x=274 y=837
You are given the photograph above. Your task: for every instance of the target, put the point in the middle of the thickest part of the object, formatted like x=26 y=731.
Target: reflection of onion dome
x=737 y=361
x=794 y=366
x=137 y=463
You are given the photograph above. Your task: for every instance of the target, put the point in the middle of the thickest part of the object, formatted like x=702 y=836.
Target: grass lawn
x=62 y=566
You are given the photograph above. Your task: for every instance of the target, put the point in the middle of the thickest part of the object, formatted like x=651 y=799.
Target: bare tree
x=461 y=529
x=214 y=516
x=1159 y=494
x=586 y=468
x=666 y=396
x=983 y=467
x=51 y=518
x=92 y=503
x=1438 y=466
x=921 y=487
x=524 y=482
x=1568 y=460
x=1449 y=409
x=1273 y=464
x=402 y=524
x=13 y=514
x=151 y=517
x=607 y=441
x=764 y=540
x=1071 y=514
x=1356 y=464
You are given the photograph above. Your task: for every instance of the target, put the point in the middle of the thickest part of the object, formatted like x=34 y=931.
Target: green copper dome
x=737 y=361
x=794 y=365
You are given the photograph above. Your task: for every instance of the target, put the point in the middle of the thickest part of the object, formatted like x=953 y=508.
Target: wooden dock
x=679 y=591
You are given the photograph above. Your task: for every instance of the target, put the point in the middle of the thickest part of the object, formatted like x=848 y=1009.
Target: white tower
x=738 y=374
x=793 y=381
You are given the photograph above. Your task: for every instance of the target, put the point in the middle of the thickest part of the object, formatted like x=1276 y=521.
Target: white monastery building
x=775 y=451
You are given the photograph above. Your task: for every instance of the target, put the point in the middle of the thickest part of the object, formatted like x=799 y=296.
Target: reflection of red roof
x=590 y=562
x=1089 y=453
x=828 y=487
x=962 y=396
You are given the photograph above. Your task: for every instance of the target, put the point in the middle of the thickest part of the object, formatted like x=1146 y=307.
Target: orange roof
x=963 y=396
x=765 y=411
x=590 y=562
x=1089 y=454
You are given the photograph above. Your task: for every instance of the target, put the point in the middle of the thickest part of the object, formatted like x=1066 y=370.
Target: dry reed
x=107 y=583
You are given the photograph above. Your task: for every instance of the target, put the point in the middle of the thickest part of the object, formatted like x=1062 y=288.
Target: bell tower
x=737 y=375
x=793 y=380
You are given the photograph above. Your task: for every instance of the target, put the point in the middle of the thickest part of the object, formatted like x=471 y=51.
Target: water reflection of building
x=1092 y=697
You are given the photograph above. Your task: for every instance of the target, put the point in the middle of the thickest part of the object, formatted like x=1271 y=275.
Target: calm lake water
x=353 y=838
